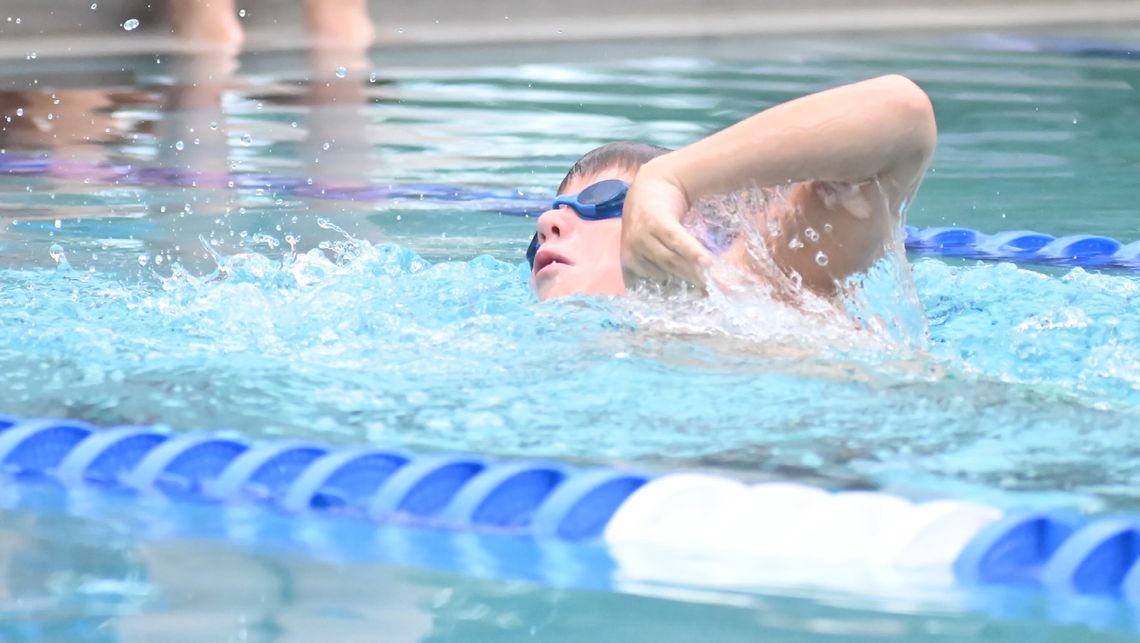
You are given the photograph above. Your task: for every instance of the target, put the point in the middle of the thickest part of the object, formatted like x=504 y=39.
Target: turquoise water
x=269 y=311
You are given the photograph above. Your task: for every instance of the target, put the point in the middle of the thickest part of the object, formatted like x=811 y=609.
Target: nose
x=555 y=224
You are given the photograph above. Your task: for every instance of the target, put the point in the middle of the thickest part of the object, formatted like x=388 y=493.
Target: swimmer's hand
x=654 y=245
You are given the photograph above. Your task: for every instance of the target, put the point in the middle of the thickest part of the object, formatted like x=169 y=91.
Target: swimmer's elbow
x=911 y=109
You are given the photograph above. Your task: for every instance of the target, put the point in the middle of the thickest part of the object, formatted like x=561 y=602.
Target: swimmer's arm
x=875 y=137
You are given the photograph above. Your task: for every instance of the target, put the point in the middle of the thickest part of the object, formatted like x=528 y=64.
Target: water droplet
x=246 y=139
x=399 y=30
x=158 y=259
x=56 y=252
x=31 y=56
x=179 y=145
x=812 y=235
x=372 y=77
x=341 y=72
x=821 y=258
x=131 y=24
x=143 y=260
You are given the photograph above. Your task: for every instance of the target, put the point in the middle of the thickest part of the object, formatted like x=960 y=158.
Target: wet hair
x=625 y=155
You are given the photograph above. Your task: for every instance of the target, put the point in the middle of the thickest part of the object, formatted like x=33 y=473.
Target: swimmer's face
x=576 y=256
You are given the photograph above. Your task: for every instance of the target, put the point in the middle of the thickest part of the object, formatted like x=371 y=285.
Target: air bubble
x=246 y=139
x=325 y=147
x=795 y=243
x=94 y=6
x=827 y=227
x=341 y=72
x=179 y=145
x=241 y=13
x=131 y=24
x=56 y=252
x=19 y=111
x=58 y=224
x=143 y=260
x=213 y=124
x=812 y=235
x=821 y=258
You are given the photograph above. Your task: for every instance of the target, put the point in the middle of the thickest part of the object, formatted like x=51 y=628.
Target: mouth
x=547 y=258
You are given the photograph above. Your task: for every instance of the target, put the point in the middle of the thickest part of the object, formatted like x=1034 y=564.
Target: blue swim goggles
x=598 y=202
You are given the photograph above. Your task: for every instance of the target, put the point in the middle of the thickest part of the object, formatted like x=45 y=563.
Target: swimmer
x=844 y=162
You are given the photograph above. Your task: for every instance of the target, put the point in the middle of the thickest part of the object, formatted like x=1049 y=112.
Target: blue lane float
x=1025 y=246
x=765 y=529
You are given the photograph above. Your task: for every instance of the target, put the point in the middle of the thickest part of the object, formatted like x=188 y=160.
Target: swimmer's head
x=576 y=256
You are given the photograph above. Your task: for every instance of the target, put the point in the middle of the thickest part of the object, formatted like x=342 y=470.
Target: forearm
x=849 y=134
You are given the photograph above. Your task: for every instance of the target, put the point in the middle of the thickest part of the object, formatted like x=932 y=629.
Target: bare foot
x=207 y=25
x=340 y=24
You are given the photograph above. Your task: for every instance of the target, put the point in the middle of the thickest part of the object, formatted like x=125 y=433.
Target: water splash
x=59 y=257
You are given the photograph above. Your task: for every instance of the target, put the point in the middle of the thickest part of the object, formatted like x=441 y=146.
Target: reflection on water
x=127 y=575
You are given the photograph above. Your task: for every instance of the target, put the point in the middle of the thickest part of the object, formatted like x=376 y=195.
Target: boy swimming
x=847 y=162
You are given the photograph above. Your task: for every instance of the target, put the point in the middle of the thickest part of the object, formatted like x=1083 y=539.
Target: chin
x=555 y=291
x=567 y=284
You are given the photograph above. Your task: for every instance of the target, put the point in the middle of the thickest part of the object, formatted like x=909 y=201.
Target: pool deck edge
x=580 y=26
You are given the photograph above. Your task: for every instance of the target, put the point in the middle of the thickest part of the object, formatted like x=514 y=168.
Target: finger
x=640 y=263
x=670 y=262
x=686 y=245
x=686 y=257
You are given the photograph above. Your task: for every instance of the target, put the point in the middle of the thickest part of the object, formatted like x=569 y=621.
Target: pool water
x=228 y=255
